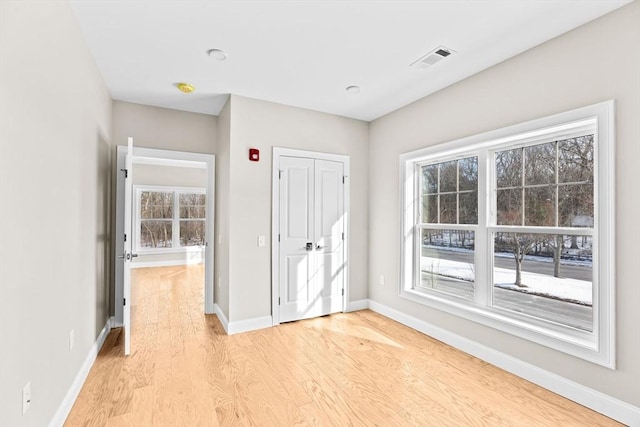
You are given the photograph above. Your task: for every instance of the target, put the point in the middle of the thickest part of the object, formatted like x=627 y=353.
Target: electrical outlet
x=72 y=339
x=26 y=397
x=261 y=241
x=381 y=280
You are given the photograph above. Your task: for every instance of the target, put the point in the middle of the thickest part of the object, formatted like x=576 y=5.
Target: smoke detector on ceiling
x=433 y=57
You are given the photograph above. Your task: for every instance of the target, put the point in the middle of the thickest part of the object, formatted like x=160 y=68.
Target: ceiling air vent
x=433 y=57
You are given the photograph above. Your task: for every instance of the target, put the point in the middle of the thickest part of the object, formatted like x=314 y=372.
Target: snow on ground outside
x=510 y=256
x=540 y=284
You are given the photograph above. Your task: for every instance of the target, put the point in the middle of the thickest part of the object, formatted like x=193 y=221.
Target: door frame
x=152 y=156
x=275 y=221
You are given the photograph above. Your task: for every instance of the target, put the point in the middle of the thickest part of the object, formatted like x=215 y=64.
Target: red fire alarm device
x=254 y=154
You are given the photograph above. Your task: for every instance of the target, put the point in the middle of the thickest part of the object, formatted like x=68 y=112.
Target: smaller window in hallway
x=169 y=219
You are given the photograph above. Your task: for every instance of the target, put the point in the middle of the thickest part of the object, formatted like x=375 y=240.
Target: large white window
x=514 y=229
x=169 y=219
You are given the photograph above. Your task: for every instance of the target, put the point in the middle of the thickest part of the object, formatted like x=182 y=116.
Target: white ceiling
x=305 y=53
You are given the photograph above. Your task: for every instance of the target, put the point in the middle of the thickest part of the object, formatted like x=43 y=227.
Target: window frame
x=175 y=220
x=597 y=346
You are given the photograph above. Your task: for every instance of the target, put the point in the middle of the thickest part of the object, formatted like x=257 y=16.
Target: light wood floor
x=342 y=370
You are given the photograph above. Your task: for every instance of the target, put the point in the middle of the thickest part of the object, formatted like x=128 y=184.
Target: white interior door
x=328 y=235
x=128 y=254
x=311 y=238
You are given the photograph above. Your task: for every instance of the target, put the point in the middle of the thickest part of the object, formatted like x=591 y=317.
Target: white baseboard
x=221 y=317
x=593 y=399
x=361 y=304
x=67 y=403
x=239 y=326
x=167 y=263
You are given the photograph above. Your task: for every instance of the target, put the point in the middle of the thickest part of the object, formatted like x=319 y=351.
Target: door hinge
x=342 y=235
x=342 y=291
x=279 y=174
x=126 y=173
x=278 y=300
x=343 y=179
x=124 y=301
x=125 y=237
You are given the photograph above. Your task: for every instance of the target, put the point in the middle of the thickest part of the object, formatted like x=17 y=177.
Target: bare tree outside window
x=192 y=219
x=156 y=213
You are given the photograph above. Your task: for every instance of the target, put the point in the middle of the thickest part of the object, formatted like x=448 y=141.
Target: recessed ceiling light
x=218 y=54
x=185 y=87
x=353 y=89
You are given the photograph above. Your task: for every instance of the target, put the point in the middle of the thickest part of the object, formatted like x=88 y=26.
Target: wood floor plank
x=356 y=369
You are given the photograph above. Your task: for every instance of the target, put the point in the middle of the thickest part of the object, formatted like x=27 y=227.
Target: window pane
x=468 y=179
x=192 y=233
x=155 y=234
x=540 y=164
x=509 y=168
x=447 y=262
x=192 y=205
x=545 y=276
x=154 y=204
x=430 y=179
x=430 y=209
x=575 y=159
x=540 y=206
x=162 y=212
x=448 y=208
x=576 y=205
x=468 y=208
x=440 y=192
x=448 y=176
x=146 y=211
x=510 y=207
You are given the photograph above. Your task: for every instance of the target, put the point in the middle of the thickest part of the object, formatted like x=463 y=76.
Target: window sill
x=568 y=340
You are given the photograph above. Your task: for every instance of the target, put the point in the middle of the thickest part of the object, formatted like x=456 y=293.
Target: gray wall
x=221 y=293
x=55 y=166
x=169 y=176
x=264 y=125
x=593 y=63
x=164 y=129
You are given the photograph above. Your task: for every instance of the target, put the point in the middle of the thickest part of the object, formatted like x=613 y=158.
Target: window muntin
x=566 y=205
x=170 y=219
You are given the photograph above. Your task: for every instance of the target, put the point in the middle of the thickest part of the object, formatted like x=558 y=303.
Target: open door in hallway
x=127 y=253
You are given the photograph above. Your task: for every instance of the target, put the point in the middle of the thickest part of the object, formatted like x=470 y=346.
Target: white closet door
x=311 y=245
x=296 y=237
x=328 y=228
